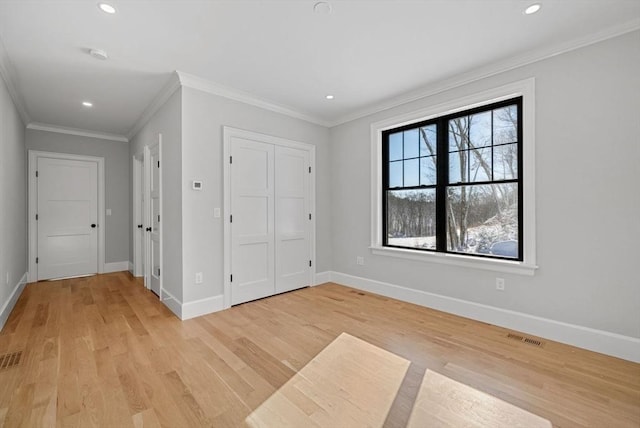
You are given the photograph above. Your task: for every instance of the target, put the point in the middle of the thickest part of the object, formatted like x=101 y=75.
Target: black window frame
x=442 y=177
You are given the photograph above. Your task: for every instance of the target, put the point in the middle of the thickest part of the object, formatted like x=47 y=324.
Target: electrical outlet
x=500 y=284
x=198 y=277
x=7 y=278
x=216 y=213
x=360 y=260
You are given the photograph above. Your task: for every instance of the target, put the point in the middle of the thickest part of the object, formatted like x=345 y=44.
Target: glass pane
x=480 y=129
x=505 y=125
x=395 y=146
x=480 y=165
x=505 y=162
x=395 y=174
x=411 y=175
x=459 y=133
x=458 y=167
x=483 y=219
x=411 y=218
x=411 y=143
x=428 y=173
x=428 y=140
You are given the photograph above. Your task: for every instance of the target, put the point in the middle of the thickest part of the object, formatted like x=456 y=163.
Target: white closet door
x=67 y=218
x=252 y=223
x=293 y=219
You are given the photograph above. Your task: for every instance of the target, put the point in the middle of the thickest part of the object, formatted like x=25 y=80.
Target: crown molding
x=76 y=131
x=204 y=85
x=165 y=93
x=9 y=76
x=490 y=70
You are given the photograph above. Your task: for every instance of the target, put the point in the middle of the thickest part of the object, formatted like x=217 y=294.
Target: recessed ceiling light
x=532 y=9
x=107 y=8
x=329 y=97
x=98 y=54
x=322 y=7
x=87 y=104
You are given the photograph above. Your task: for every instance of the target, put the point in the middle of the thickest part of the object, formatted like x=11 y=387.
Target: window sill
x=506 y=266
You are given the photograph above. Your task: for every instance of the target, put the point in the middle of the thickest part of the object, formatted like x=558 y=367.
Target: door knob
x=93 y=225
x=139 y=226
x=148 y=229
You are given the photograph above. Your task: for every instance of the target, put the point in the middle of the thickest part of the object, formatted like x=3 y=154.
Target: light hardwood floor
x=102 y=351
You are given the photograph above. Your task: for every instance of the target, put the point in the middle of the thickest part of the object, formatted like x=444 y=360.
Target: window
x=453 y=183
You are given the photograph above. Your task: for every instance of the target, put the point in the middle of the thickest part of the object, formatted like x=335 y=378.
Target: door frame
x=138 y=215
x=33 y=204
x=230 y=132
x=147 y=212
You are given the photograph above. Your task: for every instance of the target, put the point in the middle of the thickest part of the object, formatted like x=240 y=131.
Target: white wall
x=168 y=122
x=204 y=115
x=117 y=181
x=588 y=202
x=13 y=203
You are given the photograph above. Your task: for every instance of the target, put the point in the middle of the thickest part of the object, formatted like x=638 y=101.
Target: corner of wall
x=5 y=311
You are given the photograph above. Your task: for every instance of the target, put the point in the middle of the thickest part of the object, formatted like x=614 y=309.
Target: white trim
x=165 y=93
x=8 y=73
x=204 y=85
x=76 y=131
x=116 y=267
x=201 y=307
x=228 y=133
x=33 y=204
x=131 y=268
x=193 y=309
x=524 y=88
x=148 y=213
x=601 y=341
x=322 y=277
x=490 y=70
x=497 y=265
x=171 y=302
x=13 y=299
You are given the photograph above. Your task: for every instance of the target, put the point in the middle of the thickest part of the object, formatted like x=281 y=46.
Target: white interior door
x=252 y=225
x=138 y=217
x=141 y=223
x=152 y=229
x=292 y=219
x=67 y=213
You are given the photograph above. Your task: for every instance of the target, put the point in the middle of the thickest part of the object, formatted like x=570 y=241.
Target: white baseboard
x=322 y=277
x=11 y=303
x=613 y=344
x=193 y=309
x=171 y=302
x=201 y=307
x=131 y=268
x=115 y=267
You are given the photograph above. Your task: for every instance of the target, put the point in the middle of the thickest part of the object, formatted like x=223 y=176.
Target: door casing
x=33 y=206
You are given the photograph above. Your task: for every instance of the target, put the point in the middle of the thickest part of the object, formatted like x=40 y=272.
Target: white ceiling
x=366 y=53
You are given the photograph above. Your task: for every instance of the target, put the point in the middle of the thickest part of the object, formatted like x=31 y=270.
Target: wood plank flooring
x=102 y=351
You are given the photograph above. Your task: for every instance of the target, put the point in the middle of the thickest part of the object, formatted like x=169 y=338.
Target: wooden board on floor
x=349 y=383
